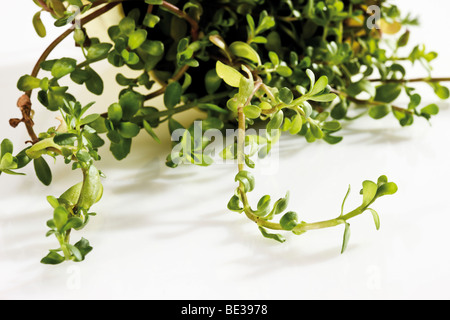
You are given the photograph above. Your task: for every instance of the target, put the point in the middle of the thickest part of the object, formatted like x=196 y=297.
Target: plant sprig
x=293 y=67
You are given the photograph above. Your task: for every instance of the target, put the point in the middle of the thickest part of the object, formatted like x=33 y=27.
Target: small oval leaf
x=43 y=171
x=231 y=76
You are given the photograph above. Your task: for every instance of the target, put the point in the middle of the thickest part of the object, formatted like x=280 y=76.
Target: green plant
x=292 y=66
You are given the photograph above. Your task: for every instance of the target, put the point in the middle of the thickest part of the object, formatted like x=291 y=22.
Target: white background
x=166 y=234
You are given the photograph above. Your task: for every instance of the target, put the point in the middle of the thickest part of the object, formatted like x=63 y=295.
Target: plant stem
x=44 y=6
x=162 y=90
x=372 y=103
x=62 y=243
x=171 y=112
x=27 y=115
x=411 y=80
x=303 y=226
x=180 y=13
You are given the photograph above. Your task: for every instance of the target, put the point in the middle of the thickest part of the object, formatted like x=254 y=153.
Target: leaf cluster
x=298 y=67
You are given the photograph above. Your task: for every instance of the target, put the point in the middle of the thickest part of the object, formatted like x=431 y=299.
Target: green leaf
x=263 y=206
x=115 y=113
x=312 y=78
x=43 y=171
x=332 y=139
x=98 y=51
x=79 y=36
x=94 y=83
x=115 y=58
x=53 y=258
x=369 y=192
x=137 y=38
x=289 y=221
x=234 y=204
x=345 y=199
x=77 y=3
x=63 y=67
x=128 y=129
x=332 y=126
x=431 y=109
x=231 y=76
x=155 y=2
x=58 y=7
x=72 y=195
x=212 y=107
x=363 y=85
x=247 y=179
x=83 y=156
x=252 y=112
x=65 y=139
x=296 y=124
x=319 y=86
x=415 y=101
x=60 y=217
x=315 y=130
x=376 y=218
x=346 y=237
x=276 y=121
x=323 y=98
x=27 y=83
x=286 y=96
x=130 y=57
x=175 y=125
x=38 y=149
x=388 y=188
x=212 y=81
x=153 y=48
x=388 y=92
x=244 y=50
x=6 y=147
x=94 y=139
x=246 y=88
x=382 y=180
x=404 y=39
x=273 y=56
x=442 y=92
x=127 y=25
x=212 y=123
x=276 y=237
x=38 y=25
x=130 y=103
x=121 y=149
x=379 y=112
x=151 y=20
x=89 y=119
x=91 y=188
x=281 y=205
x=80 y=76
x=150 y=131
x=284 y=71
x=84 y=247
x=99 y=125
x=8 y=163
x=76 y=253
x=172 y=95
x=53 y=202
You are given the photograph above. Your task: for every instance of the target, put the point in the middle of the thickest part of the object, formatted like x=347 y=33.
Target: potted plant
x=298 y=67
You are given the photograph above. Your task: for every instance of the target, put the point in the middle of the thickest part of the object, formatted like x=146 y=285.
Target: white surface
x=166 y=234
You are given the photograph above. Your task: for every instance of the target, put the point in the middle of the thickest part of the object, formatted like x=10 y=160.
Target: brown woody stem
x=411 y=80
x=24 y=102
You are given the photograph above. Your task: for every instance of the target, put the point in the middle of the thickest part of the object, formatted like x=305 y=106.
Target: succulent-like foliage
x=291 y=66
